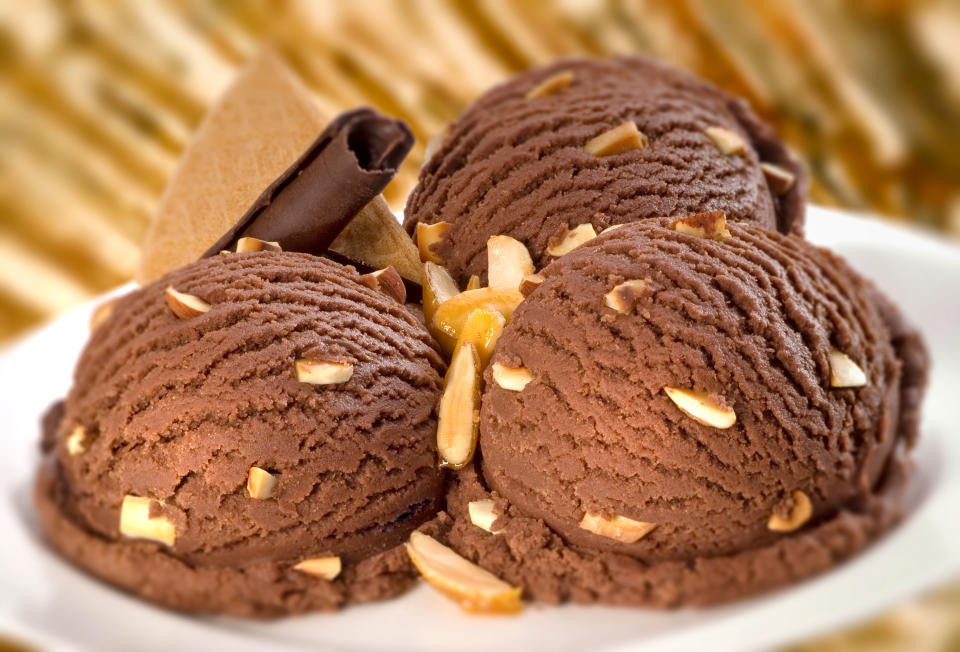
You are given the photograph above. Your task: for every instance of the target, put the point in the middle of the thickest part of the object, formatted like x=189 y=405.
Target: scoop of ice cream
x=523 y=160
x=289 y=417
x=695 y=401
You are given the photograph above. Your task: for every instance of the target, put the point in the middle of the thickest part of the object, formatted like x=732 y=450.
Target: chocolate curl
x=348 y=165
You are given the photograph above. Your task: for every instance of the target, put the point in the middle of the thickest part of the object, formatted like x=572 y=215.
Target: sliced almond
x=101 y=313
x=573 y=239
x=530 y=283
x=137 y=523
x=728 y=142
x=508 y=261
x=780 y=179
x=800 y=512
x=620 y=528
x=712 y=225
x=185 y=306
x=326 y=568
x=459 y=413
x=77 y=441
x=702 y=407
x=322 y=372
x=482 y=329
x=261 y=483
x=473 y=283
x=613 y=227
x=618 y=140
x=451 y=315
x=552 y=84
x=249 y=245
x=513 y=379
x=844 y=372
x=475 y=589
x=483 y=515
x=625 y=296
x=438 y=287
x=427 y=236
x=387 y=281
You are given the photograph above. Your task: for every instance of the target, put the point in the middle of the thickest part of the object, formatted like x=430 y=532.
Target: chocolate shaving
x=348 y=165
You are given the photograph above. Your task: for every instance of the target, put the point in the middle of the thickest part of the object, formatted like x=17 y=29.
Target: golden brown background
x=98 y=98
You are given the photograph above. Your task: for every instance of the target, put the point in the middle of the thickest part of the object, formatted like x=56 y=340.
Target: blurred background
x=97 y=99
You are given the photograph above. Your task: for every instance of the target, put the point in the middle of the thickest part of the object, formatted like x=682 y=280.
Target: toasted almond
x=429 y=235
x=248 y=245
x=459 y=413
x=185 y=306
x=780 y=179
x=844 y=372
x=702 y=407
x=712 y=225
x=261 y=483
x=451 y=315
x=475 y=589
x=620 y=139
x=473 y=283
x=438 y=287
x=77 y=443
x=326 y=568
x=387 y=281
x=727 y=141
x=620 y=528
x=573 y=239
x=530 y=283
x=624 y=297
x=508 y=261
x=483 y=515
x=613 y=227
x=513 y=379
x=800 y=512
x=552 y=84
x=137 y=523
x=101 y=313
x=482 y=329
x=322 y=372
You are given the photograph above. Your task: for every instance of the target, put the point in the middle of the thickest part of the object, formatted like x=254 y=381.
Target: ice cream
x=687 y=411
x=251 y=434
x=600 y=142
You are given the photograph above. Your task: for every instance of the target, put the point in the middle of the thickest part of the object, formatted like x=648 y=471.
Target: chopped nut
x=844 y=372
x=530 y=283
x=624 y=297
x=573 y=239
x=136 y=522
x=711 y=225
x=260 y=483
x=322 y=372
x=473 y=283
x=482 y=329
x=185 y=306
x=77 y=441
x=326 y=568
x=801 y=510
x=101 y=313
x=620 y=528
x=728 y=142
x=427 y=236
x=702 y=407
x=513 y=379
x=483 y=516
x=613 y=227
x=388 y=281
x=780 y=179
x=618 y=140
x=438 y=287
x=436 y=142
x=508 y=261
x=475 y=589
x=247 y=245
x=459 y=412
x=451 y=315
x=550 y=85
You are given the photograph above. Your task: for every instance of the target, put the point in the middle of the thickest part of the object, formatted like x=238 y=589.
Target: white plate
x=44 y=599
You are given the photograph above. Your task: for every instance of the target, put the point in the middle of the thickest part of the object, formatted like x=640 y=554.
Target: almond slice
x=482 y=329
x=482 y=515
x=530 y=283
x=620 y=528
x=475 y=589
x=727 y=141
x=712 y=225
x=322 y=372
x=624 y=297
x=261 y=483
x=573 y=239
x=185 y=306
x=249 y=245
x=474 y=282
x=101 y=313
x=780 y=179
x=77 y=441
x=427 y=236
x=459 y=413
x=800 y=512
x=701 y=407
x=388 y=281
x=613 y=227
x=513 y=379
x=508 y=261
x=451 y=315
x=438 y=287
x=552 y=84
x=618 y=140
x=844 y=372
x=326 y=568
x=136 y=522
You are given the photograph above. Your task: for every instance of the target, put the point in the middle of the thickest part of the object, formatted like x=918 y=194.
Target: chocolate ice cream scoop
x=251 y=434
x=600 y=142
x=696 y=394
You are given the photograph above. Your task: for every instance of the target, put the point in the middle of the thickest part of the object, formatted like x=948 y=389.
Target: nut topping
x=508 y=261
x=728 y=142
x=438 y=287
x=482 y=329
x=800 y=511
x=185 y=306
x=711 y=225
x=451 y=315
x=427 y=236
x=624 y=297
x=260 y=483
x=459 y=413
x=620 y=528
x=473 y=283
x=482 y=515
x=573 y=239
x=513 y=379
x=550 y=85
x=436 y=142
x=246 y=245
x=702 y=407
x=326 y=568
x=844 y=372
x=137 y=523
x=322 y=372
x=530 y=283
x=780 y=179
x=618 y=140
x=101 y=313
x=387 y=281
x=77 y=443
